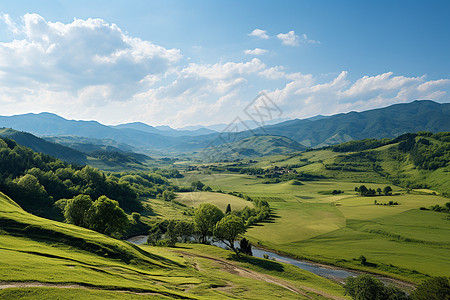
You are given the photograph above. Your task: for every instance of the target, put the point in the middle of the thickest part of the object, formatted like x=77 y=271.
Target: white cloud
x=305 y=39
x=199 y=92
x=259 y=33
x=304 y=97
x=90 y=69
x=429 y=85
x=80 y=55
x=256 y=51
x=10 y=23
x=289 y=39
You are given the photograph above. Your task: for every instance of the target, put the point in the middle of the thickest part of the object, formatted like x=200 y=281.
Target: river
x=329 y=272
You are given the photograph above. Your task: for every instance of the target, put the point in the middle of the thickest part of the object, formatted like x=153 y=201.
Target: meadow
x=309 y=222
x=194 y=199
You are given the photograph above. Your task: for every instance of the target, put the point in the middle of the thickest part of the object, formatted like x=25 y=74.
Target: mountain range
x=391 y=121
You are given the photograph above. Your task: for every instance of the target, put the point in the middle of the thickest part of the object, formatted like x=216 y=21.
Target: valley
x=374 y=206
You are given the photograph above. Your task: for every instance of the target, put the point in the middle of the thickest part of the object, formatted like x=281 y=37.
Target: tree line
x=369 y=192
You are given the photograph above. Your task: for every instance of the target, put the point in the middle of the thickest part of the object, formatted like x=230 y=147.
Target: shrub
x=437 y=288
x=136 y=217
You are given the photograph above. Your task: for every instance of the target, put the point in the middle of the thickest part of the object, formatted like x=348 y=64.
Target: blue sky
x=201 y=62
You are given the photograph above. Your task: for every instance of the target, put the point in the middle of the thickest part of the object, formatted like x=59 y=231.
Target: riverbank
x=337 y=274
x=386 y=278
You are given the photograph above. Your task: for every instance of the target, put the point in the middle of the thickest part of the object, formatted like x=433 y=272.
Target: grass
x=36 y=250
x=194 y=199
x=160 y=209
x=295 y=276
x=69 y=293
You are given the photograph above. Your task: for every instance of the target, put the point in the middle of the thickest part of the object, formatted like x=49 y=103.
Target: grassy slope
x=34 y=249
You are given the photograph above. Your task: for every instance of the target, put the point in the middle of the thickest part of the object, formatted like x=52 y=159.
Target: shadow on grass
x=268 y=265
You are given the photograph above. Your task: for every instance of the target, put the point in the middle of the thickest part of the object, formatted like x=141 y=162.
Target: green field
x=310 y=223
x=40 y=258
x=194 y=199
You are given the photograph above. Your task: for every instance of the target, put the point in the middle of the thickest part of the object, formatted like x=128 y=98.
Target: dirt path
x=231 y=268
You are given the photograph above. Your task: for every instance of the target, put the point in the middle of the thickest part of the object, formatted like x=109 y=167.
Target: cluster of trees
x=368 y=192
x=251 y=216
x=208 y=221
x=103 y=215
x=116 y=157
x=445 y=208
x=37 y=181
x=425 y=153
x=199 y=186
x=146 y=184
x=389 y=203
x=366 y=287
x=169 y=232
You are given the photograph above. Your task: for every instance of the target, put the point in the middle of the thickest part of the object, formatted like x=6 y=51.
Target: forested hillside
x=37 y=181
x=413 y=160
x=62 y=152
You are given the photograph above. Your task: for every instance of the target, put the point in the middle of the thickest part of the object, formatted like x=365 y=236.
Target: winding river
x=329 y=272
x=333 y=273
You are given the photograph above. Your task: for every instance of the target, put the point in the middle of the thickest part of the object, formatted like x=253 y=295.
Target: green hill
x=40 y=258
x=387 y=122
x=64 y=153
x=415 y=161
x=253 y=146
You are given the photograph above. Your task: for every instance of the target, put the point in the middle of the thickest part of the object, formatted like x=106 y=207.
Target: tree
x=171 y=233
x=136 y=217
x=394 y=293
x=168 y=195
x=363 y=260
x=447 y=205
x=77 y=209
x=245 y=247
x=228 y=229
x=30 y=188
x=387 y=190
x=205 y=218
x=185 y=230
x=364 y=287
x=379 y=191
x=197 y=185
x=437 y=288
x=228 y=210
x=107 y=217
x=363 y=190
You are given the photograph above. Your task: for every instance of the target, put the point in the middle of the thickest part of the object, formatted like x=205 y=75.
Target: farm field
x=308 y=222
